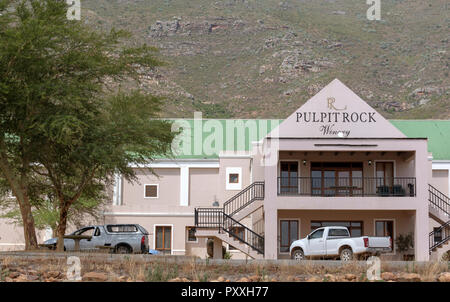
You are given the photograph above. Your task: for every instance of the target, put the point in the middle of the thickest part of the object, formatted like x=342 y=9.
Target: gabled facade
x=254 y=186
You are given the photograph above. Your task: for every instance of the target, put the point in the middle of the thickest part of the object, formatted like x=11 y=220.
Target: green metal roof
x=437 y=132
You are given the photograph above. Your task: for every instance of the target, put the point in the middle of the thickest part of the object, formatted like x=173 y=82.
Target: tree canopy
x=65 y=123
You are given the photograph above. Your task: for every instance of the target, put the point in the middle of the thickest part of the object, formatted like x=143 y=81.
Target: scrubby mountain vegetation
x=264 y=58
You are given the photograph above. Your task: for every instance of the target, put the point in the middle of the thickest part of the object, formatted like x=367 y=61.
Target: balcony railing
x=347 y=186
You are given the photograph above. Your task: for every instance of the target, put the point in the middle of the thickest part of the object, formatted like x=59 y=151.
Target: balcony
x=347 y=186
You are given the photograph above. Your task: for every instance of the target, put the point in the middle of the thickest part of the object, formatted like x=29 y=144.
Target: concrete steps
x=436 y=214
x=248 y=210
x=225 y=237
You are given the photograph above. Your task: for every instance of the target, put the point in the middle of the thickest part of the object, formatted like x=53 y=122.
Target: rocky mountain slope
x=264 y=58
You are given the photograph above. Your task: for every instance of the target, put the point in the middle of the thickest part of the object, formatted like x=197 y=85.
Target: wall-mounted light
x=215 y=203
x=370 y=162
x=304 y=162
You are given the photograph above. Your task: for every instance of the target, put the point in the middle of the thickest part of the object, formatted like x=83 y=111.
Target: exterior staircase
x=223 y=222
x=439 y=239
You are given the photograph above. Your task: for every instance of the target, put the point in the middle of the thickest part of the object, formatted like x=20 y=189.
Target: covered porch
x=346 y=173
x=296 y=224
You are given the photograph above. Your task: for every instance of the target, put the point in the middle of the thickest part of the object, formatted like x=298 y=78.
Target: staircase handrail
x=439 y=200
x=446 y=238
x=253 y=192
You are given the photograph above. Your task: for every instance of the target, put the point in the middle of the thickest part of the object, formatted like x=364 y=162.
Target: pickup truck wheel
x=122 y=249
x=298 y=255
x=346 y=254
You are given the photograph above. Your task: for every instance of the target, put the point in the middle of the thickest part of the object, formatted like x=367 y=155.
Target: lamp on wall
x=304 y=162
x=215 y=203
x=370 y=162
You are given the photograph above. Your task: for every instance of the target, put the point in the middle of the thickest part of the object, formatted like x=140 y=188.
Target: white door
x=333 y=238
x=86 y=244
x=316 y=243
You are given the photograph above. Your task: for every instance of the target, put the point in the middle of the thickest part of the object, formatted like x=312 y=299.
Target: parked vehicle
x=335 y=241
x=121 y=238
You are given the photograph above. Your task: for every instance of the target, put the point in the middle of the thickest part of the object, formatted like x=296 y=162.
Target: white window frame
x=171 y=236
x=157 y=191
x=279 y=233
x=394 y=237
x=233 y=186
x=394 y=166
x=187 y=235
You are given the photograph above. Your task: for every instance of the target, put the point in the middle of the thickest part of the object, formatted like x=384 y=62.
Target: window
x=151 y=191
x=385 y=173
x=289 y=177
x=85 y=232
x=317 y=234
x=355 y=227
x=288 y=234
x=191 y=234
x=437 y=235
x=233 y=178
x=336 y=178
x=121 y=228
x=163 y=239
x=384 y=229
x=338 y=233
x=240 y=232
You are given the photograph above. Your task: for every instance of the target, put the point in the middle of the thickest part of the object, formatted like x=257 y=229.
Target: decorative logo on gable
x=331 y=101
x=327 y=121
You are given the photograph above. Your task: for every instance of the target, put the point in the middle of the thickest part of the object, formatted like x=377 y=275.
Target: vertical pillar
x=217 y=248
x=270 y=234
x=270 y=202
x=421 y=229
x=184 y=186
x=117 y=190
x=421 y=244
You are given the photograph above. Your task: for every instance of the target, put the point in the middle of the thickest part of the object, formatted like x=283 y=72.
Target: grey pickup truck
x=119 y=238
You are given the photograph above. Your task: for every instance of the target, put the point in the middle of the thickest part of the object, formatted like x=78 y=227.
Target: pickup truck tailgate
x=380 y=242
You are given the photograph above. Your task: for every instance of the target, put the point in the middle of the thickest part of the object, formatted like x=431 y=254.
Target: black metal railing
x=208 y=217
x=220 y=218
x=439 y=236
x=439 y=200
x=253 y=192
x=217 y=219
x=347 y=186
x=243 y=234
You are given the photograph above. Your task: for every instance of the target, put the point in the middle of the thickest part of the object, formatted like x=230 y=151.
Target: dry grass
x=165 y=268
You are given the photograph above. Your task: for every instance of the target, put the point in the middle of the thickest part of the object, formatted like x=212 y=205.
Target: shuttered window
x=151 y=191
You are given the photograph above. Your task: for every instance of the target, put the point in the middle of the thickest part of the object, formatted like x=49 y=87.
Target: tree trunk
x=62 y=225
x=20 y=191
x=29 y=230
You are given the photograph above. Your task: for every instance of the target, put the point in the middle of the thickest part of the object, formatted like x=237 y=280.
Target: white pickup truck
x=335 y=241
